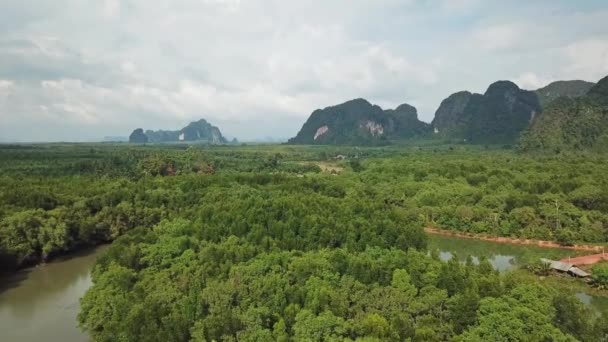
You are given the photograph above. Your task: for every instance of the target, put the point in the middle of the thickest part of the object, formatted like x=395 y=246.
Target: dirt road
x=587 y=259
x=539 y=243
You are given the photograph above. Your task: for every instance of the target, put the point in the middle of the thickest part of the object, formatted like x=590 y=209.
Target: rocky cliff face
x=138 y=137
x=555 y=90
x=600 y=90
x=358 y=122
x=503 y=113
x=162 y=136
x=571 y=123
x=496 y=117
x=200 y=131
x=450 y=118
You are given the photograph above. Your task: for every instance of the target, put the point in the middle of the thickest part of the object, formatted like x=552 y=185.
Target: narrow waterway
x=505 y=257
x=502 y=256
x=41 y=303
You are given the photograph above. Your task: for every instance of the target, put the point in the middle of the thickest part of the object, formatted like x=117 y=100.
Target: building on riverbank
x=564 y=267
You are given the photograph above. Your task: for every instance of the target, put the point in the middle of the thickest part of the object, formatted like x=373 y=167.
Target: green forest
x=303 y=243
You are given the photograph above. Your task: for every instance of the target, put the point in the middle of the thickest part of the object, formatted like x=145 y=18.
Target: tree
x=355 y=165
x=463 y=310
x=522 y=315
x=324 y=327
x=565 y=237
x=572 y=317
x=599 y=274
x=402 y=281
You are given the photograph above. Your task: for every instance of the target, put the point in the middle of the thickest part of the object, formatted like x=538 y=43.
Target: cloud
x=499 y=37
x=6 y=88
x=38 y=58
x=588 y=58
x=85 y=69
x=531 y=81
x=5 y=85
x=111 y=8
x=459 y=5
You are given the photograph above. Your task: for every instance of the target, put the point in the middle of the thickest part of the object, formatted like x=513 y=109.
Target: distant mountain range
x=115 y=139
x=561 y=115
x=558 y=89
x=360 y=122
x=496 y=117
x=197 y=131
x=499 y=116
x=571 y=123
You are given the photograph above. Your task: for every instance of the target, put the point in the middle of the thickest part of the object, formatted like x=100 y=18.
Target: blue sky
x=78 y=70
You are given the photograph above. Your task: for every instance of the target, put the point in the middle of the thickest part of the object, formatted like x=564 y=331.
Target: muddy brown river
x=41 y=303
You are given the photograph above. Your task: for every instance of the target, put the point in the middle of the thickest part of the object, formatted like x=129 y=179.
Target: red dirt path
x=538 y=243
x=587 y=259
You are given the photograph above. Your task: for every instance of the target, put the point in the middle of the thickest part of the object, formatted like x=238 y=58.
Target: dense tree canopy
x=171 y=284
x=294 y=244
x=58 y=198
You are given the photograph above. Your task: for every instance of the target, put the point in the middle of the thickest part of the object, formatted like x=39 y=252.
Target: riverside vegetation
x=256 y=243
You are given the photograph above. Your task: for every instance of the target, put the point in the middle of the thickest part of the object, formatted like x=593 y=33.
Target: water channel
x=41 y=303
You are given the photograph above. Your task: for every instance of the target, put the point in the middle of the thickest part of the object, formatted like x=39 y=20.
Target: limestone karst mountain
x=555 y=90
x=138 y=137
x=571 y=123
x=358 y=122
x=200 y=131
x=496 y=117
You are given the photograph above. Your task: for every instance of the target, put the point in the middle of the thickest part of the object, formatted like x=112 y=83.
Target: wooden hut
x=564 y=267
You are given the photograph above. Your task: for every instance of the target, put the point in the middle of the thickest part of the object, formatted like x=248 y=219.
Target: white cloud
x=459 y=5
x=229 y=4
x=499 y=37
x=587 y=58
x=111 y=8
x=109 y=66
x=5 y=85
x=531 y=81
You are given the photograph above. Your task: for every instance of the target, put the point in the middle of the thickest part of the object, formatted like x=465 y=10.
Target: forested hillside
x=569 y=89
x=500 y=116
x=496 y=117
x=571 y=124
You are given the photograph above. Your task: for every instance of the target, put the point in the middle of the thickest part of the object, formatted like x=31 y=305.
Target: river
x=41 y=303
x=502 y=256
x=506 y=257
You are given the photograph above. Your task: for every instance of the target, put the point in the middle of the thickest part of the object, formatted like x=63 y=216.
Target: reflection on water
x=503 y=257
x=41 y=303
x=506 y=257
x=599 y=304
x=500 y=262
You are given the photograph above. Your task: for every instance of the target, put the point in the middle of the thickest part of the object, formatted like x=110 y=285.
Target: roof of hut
x=557 y=265
x=578 y=272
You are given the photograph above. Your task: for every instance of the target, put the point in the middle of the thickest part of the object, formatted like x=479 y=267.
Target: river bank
x=514 y=241
x=41 y=303
x=512 y=258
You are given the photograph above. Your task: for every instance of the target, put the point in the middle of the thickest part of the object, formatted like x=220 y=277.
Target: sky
x=79 y=70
